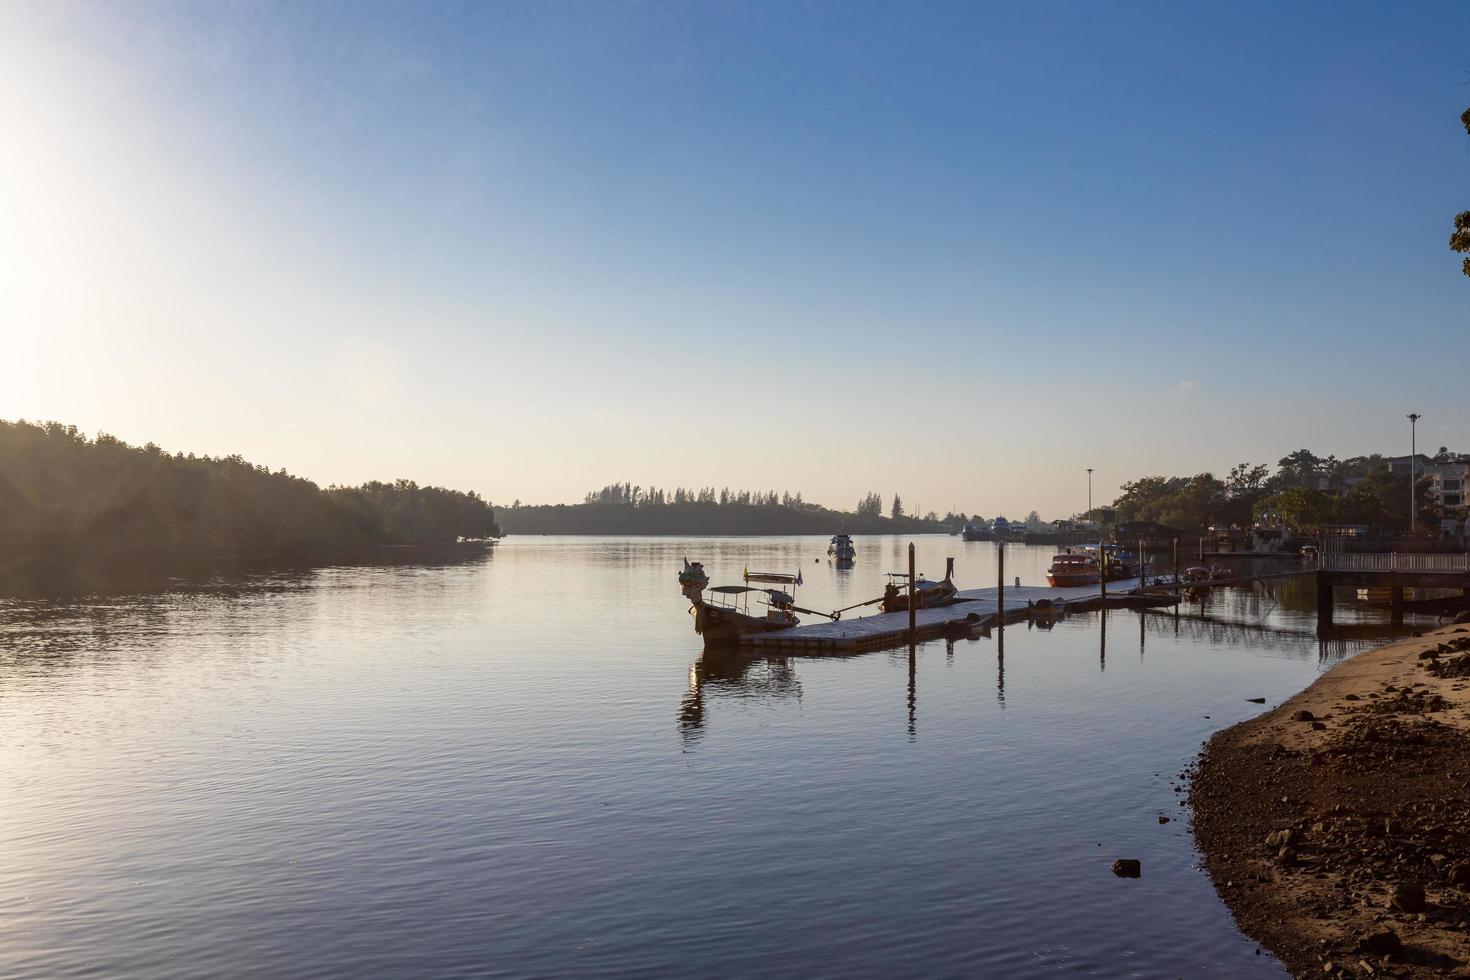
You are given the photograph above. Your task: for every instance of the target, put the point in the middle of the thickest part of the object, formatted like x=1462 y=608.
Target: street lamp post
x=1413 y=451
x=1089 y=493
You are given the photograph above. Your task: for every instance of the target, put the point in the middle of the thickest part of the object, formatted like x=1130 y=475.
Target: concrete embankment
x=1337 y=826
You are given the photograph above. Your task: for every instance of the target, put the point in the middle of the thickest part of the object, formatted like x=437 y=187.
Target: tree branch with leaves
x=1460 y=238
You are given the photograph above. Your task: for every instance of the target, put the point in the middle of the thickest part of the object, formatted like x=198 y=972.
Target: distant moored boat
x=841 y=549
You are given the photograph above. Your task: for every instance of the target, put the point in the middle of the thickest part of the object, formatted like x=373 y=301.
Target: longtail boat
x=927 y=594
x=727 y=613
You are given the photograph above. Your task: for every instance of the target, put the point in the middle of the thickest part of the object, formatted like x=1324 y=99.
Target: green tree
x=897 y=510
x=1246 y=480
x=1298 y=469
x=1305 y=508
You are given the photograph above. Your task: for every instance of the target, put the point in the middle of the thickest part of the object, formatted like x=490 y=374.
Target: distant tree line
x=66 y=499
x=626 y=508
x=1305 y=492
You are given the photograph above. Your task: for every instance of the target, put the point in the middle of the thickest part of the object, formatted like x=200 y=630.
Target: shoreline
x=1336 y=827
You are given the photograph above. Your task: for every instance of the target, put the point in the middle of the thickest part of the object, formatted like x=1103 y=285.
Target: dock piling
x=911 y=588
x=1324 y=602
x=1000 y=578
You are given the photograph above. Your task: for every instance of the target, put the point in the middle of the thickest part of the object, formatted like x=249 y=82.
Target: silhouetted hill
x=70 y=504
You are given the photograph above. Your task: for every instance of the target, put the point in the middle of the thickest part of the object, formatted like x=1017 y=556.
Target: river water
x=522 y=765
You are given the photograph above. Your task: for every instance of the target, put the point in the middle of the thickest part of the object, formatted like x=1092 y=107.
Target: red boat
x=1071 y=570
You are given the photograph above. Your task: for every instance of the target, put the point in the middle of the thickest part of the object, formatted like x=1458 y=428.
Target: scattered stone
x=1319 y=726
x=1256 y=700
x=1286 y=856
x=1351 y=697
x=1128 y=868
x=1461 y=875
x=1163 y=819
x=1304 y=715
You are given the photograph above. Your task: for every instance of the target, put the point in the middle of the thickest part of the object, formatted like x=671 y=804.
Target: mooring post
x=1201 y=550
x=1000 y=581
x=911 y=588
x=1176 y=561
x=1102 y=564
x=1142 y=567
x=1324 y=602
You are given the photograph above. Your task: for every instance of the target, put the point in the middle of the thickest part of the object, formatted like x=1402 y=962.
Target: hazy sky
x=958 y=251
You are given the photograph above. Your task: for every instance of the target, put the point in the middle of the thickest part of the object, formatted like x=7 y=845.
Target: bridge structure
x=1393 y=570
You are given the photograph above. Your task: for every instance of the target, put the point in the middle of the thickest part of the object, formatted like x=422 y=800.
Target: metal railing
x=1393 y=561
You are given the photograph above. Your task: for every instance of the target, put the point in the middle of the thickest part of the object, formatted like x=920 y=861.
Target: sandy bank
x=1337 y=826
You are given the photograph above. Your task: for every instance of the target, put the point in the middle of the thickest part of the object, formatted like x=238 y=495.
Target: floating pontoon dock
x=975 y=609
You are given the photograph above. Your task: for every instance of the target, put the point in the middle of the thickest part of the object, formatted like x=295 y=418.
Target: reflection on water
x=470 y=768
x=721 y=671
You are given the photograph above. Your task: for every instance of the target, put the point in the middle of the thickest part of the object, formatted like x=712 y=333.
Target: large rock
x=1385 y=942
x=1304 y=715
x=1407 y=897
x=1128 y=868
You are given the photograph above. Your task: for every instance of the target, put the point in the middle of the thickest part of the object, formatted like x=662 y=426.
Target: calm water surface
x=523 y=766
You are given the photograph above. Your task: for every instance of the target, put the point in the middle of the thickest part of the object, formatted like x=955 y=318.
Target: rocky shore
x=1337 y=826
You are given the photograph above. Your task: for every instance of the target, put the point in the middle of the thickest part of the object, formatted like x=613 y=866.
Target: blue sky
x=957 y=251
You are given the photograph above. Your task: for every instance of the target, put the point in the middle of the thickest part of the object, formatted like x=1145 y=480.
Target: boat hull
x=717 y=624
x=1070 y=580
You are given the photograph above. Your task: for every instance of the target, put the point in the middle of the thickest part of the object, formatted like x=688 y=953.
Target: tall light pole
x=1089 y=493
x=1413 y=451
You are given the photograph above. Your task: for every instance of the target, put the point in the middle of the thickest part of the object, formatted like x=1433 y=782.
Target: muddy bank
x=1337 y=827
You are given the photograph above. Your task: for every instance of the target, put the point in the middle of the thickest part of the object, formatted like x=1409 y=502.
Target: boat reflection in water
x=725 y=672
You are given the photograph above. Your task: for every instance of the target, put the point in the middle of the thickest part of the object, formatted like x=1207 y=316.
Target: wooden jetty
x=1391 y=569
x=974 y=609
